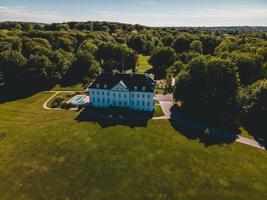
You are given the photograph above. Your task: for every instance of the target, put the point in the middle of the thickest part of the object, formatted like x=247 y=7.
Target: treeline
x=219 y=73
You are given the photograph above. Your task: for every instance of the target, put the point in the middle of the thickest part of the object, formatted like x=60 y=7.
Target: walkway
x=55 y=94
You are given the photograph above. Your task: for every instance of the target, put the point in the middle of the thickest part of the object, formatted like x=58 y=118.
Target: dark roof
x=130 y=80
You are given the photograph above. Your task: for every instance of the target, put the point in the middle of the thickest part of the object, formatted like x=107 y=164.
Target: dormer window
x=105 y=86
x=135 y=88
x=97 y=85
x=143 y=88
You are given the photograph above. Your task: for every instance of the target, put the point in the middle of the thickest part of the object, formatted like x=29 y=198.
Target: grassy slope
x=143 y=64
x=76 y=87
x=158 y=111
x=49 y=155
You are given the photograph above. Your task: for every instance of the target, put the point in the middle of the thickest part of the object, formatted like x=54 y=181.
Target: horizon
x=152 y=13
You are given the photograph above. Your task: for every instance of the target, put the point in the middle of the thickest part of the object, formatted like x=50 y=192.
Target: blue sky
x=146 y=12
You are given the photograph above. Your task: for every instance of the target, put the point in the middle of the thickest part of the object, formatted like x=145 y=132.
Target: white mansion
x=133 y=91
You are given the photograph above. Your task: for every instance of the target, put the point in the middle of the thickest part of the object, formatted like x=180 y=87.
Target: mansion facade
x=132 y=91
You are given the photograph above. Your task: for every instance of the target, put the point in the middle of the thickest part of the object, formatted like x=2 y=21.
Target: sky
x=145 y=12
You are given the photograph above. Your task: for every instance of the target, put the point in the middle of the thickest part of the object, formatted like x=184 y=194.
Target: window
x=148 y=103
x=93 y=99
x=137 y=103
x=114 y=103
x=125 y=95
x=143 y=95
x=119 y=94
x=103 y=100
x=103 y=93
x=114 y=94
x=132 y=95
x=108 y=93
x=143 y=103
x=93 y=92
x=108 y=100
x=148 y=96
x=98 y=100
x=97 y=92
x=138 y=95
x=132 y=102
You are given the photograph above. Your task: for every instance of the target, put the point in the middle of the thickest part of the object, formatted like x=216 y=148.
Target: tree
x=253 y=103
x=196 y=46
x=161 y=59
x=11 y=66
x=113 y=56
x=67 y=43
x=167 y=40
x=27 y=27
x=227 y=45
x=208 y=85
x=39 y=68
x=253 y=99
x=182 y=43
x=137 y=43
x=249 y=67
x=209 y=42
x=36 y=46
x=176 y=68
x=62 y=62
x=85 y=67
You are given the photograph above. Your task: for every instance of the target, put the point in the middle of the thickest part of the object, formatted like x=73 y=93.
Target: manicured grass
x=76 y=87
x=245 y=133
x=50 y=155
x=160 y=91
x=64 y=95
x=158 y=111
x=143 y=64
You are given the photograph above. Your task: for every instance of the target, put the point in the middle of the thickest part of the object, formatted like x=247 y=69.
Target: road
x=166 y=102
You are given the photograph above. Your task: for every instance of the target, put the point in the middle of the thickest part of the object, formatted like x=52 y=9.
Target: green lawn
x=143 y=64
x=49 y=155
x=76 y=87
x=158 y=111
x=64 y=95
x=245 y=133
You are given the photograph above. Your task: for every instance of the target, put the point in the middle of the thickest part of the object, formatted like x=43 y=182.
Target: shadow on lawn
x=193 y=129
x=12 y=93
x=104 y=121
x=256 y=126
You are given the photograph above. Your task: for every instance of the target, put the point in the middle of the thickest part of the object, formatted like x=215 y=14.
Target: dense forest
x=221 y=73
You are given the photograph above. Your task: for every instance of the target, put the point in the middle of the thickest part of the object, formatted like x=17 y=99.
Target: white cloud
x=20 y=13
x=217 y=16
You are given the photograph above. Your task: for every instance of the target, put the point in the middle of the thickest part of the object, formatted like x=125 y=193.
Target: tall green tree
x=39 y=68
x=208 y=85
x=12 y=66
x=161 y=59
x=249 y=67
x=196 y=46
x=182 y=43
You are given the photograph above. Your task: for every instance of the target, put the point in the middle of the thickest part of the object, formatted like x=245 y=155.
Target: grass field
x=50 y=155
x=143 y=64
x=76 y=87
x=158 y=111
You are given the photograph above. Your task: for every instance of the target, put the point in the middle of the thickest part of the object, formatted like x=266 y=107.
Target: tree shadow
x=195 y=128
x=256 y=126
x=105 y=120
x=21 y=91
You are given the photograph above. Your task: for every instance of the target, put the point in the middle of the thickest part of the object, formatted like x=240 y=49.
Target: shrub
x=57 y=102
